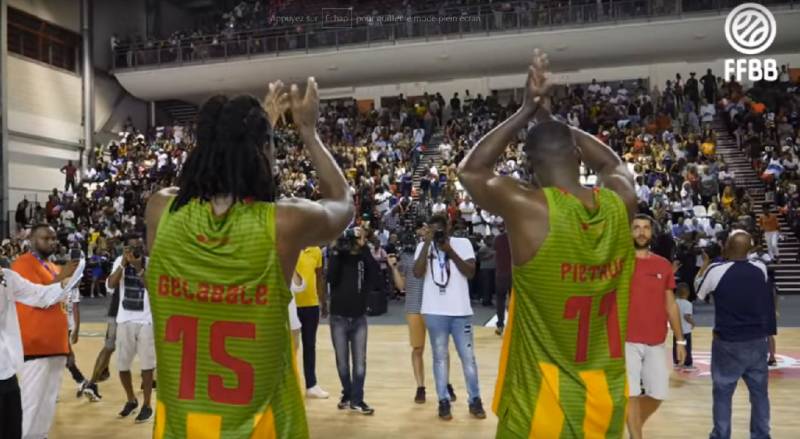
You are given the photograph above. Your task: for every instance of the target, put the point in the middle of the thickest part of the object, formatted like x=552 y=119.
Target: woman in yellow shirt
x=728 y=198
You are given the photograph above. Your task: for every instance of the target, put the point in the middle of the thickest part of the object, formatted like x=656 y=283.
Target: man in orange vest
x=44 y=335
x=772 y=231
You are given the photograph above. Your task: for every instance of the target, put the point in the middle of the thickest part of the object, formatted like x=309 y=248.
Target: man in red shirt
x=70 y=171
x=652 y=303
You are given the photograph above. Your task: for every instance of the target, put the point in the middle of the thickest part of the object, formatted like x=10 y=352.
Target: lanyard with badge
x=444 y=269
x=46 y=267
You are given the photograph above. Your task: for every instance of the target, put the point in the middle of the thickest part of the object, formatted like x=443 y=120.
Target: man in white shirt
x=382 y=200
x=707 y=112
x=467 y=208
x=134 y=325
x=438 y=208
x=446 y=264
x=594 y=87
x=15 y=288
x=419 y=135
x=445 y=148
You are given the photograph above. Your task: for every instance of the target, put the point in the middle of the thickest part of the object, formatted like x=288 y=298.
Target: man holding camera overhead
x=352 y=274
x=134 y=325
x=446 y=264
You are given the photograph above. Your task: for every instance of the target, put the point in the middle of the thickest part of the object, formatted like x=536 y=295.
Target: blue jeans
x=440 y=329
x=729 y=362
x=349 y=335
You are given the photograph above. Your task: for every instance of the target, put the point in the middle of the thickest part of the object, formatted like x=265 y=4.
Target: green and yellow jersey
x=562 y=367
x=219 y=303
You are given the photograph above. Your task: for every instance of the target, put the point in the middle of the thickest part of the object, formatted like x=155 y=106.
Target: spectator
x=687 y=325
x=404 y=280
x=134 y=326
x=45 y=347
x=486 y=276
x=768 y=221
x=741 y=311
x=502 y=250
x=652 y=305
x=70 y=171
x=312 y=304
x=351 y=276
x=446 y=264
x=16 y=289
x=22 y=215
x=709 y=86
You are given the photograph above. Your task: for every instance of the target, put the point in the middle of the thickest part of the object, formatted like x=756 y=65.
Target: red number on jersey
x=185 y=328
x=243 y=393
x=580 y=307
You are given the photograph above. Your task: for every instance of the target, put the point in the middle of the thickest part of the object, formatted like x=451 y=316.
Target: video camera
x=347 y=242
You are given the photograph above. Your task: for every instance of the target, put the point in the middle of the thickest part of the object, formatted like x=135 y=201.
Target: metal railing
x=390 y=29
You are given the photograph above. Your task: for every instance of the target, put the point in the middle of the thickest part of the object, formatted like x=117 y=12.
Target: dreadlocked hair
x=230 y=157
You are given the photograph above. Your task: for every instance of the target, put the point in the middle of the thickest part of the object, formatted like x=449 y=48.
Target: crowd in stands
x=664 y=134
x=255 y=26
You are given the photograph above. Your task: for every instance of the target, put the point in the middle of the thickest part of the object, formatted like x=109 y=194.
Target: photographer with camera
x=446 y=264
x=134 y=325
x=352 y=274
x=404 y=280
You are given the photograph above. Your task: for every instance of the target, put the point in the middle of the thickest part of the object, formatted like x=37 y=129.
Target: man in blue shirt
x=739 y=350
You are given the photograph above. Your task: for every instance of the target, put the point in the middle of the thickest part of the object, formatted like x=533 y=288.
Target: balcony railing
x=394 y=29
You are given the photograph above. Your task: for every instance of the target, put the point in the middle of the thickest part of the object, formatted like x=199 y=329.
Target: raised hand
x=537 y=86
x=276 y=102
x=305 y=109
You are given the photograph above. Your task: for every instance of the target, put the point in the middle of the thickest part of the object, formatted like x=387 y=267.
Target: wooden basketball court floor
x=390 y=390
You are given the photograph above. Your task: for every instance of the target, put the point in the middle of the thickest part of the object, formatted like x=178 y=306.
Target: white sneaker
x=316 y=392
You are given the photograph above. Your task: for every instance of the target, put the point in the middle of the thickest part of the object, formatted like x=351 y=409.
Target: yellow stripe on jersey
x=599 y=406
x=501 y=373
x=548 y=418
x=264 y=426
x=203 y=426
x=161 y=420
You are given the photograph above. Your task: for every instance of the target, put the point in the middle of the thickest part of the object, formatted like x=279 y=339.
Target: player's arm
x=155 y=208
x=502 y=195
x=307 y=222
x=612 y=172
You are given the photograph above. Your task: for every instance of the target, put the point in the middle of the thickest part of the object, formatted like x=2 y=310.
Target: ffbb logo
x=750 y=29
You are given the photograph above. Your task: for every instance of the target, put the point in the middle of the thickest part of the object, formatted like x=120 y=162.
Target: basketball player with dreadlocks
x=562 y=367
x=219 y=274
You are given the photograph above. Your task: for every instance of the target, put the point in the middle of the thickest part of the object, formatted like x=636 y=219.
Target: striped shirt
x=413 y=284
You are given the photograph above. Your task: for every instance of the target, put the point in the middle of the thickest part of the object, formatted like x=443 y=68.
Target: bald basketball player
x=562 y=369
x=223 y=250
